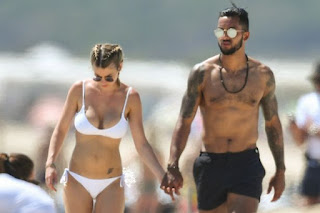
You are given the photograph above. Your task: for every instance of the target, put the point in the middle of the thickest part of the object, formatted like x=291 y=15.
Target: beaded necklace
x=245 y=82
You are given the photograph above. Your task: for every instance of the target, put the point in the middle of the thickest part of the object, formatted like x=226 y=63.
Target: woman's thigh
x=111 y=199
x=76 y=198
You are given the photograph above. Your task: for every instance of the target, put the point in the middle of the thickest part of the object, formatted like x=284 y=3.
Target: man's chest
x=224 y=94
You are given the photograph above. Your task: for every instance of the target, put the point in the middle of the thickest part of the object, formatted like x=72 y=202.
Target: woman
x=102 y=108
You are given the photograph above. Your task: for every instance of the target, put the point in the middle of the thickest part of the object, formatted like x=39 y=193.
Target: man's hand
x=172 y=182
x=278 y=183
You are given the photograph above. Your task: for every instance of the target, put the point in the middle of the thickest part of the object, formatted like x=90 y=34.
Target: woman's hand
x=51 y=177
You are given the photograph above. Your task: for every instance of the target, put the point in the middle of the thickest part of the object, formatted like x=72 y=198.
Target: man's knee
x=220 y=209
x=241 y=203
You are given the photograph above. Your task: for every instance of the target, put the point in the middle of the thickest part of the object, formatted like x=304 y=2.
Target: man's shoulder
x=207 y=65
x=259 y=66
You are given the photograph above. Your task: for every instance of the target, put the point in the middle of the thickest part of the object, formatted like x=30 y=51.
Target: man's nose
x=225 y=34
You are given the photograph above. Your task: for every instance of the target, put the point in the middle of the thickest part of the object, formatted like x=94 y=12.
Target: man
x=18 y=192
x=229 y=88
x=306 y=128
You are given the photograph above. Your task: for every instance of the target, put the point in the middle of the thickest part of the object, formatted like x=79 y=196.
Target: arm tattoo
x=276 y=148
x=269 y=105
x=269 y=101
x=192 y=94
x=273 y=126
x=271 y=82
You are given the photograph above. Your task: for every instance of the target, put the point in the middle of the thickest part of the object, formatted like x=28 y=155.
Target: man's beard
x=232 y=50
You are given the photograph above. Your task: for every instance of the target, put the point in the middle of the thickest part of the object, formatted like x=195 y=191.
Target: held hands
x=51 y=176
x=278 y=183
x=172 y=182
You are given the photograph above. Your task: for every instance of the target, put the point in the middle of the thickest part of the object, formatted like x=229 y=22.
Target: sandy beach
x=161 y=102
x=25 y=139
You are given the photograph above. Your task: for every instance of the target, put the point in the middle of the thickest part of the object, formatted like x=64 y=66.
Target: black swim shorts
x=217 y=174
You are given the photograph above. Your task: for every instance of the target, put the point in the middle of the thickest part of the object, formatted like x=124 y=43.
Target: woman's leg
x=76 y=198
x=111 y=199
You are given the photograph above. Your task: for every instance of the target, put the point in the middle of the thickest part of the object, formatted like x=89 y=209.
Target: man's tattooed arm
x=189 y=106
x=272 y=123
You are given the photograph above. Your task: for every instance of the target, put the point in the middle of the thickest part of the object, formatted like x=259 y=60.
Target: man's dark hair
x=239 y=12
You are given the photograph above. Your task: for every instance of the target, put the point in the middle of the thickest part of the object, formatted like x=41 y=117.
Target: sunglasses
x=107 y=78
x=231 y=32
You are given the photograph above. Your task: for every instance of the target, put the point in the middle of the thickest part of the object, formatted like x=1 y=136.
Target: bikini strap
x=64 y=177
x=83 y=89
x=125 y=102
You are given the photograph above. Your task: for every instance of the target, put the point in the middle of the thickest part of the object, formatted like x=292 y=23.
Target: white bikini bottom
x=93 y=186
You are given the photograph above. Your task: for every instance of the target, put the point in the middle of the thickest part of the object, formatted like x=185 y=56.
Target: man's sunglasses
x=107 y=78
x=231 y=32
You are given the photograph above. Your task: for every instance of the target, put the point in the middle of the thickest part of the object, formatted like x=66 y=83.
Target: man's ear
x=246 y=36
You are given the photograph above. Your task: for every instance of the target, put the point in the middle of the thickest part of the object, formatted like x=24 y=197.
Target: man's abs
x=231 y=132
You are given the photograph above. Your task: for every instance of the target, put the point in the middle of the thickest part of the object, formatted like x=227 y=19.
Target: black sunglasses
x=107 y=78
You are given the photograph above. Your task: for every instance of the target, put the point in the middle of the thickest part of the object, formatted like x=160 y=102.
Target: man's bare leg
x=312 y=200
x=236 y=204
x=241 y=204
x=220 y=209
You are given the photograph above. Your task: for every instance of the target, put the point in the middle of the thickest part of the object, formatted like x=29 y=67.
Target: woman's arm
x=142 y=145
x=60 y=131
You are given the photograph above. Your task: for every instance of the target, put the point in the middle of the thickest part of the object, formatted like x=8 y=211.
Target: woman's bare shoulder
x=76 y=89
x=134 y=94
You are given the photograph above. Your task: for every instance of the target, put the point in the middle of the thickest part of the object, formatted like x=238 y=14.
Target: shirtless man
x=229 y=88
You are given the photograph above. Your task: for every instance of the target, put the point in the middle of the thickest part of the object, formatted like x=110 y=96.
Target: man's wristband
x=172 y=167
x=52 y=165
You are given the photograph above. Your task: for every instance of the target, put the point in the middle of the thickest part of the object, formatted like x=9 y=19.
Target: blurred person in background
x=18 y=189
x=43 y=117
x=229 y=88
x=148 y=199
x=305 y=128
x=42 y=154
x=103 y=108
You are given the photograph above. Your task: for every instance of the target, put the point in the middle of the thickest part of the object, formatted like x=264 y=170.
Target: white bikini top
x=83 y=125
